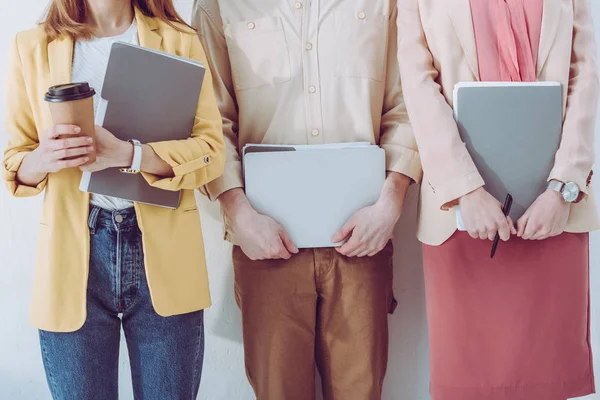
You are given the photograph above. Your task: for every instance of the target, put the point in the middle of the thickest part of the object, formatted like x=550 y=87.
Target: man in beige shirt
x=310 y=72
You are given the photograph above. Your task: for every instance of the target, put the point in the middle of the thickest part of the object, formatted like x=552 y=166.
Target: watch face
x=570 y=192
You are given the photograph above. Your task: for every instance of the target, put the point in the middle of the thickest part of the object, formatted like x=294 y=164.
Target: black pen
x=506 y=210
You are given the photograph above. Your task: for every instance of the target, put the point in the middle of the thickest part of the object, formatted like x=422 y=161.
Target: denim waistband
x=118 y=219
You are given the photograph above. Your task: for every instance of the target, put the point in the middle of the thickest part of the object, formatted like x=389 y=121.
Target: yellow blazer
x=172 y=239
x=436 y=50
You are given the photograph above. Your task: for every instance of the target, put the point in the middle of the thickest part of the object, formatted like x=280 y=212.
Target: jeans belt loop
x=93 y=219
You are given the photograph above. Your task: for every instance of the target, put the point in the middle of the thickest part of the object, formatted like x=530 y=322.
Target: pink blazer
x=437 y=50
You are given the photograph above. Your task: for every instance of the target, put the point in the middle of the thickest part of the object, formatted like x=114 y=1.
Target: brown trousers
x=318 y=307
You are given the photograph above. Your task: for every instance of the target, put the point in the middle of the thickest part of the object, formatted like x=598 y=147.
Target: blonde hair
x=67 y=17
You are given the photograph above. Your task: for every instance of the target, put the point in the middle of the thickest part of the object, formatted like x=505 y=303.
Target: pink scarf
x=507 y=33
x=517 y=62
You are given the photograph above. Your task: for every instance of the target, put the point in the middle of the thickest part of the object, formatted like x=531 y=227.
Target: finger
x=511 y=224
x=361 y=248
x=491 y=235
x=504 y=230
x=349 y=247
x=77 y=162
x=69 y=143
x=284 y=254
x=474 y=234
x=375 y=251
x=483 y=235
x=287 y=242
x=541 y=234
x=522 y=225
x=281 y=251
x=530 y=230
x=356 y=253
x=344 y=232
x=363 y=253
x=59 y=130
x=70 y=153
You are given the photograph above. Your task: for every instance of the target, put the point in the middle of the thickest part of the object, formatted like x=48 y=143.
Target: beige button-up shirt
x=306 y=72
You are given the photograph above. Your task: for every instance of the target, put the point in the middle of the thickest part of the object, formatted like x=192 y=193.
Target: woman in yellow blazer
x=103 y=262
x=514 y=327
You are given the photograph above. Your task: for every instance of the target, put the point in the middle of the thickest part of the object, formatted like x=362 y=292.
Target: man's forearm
x=394 y=191
x=232 y=200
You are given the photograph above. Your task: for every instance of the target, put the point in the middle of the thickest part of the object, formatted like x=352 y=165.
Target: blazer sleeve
x=575 y=156
x=207 y=20
x=20 y=127
x=447 y=165
x=201 y=158
x=397 y=137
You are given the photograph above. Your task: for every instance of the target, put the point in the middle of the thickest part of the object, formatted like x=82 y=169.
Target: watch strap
x=136 y=163
x=555 y=185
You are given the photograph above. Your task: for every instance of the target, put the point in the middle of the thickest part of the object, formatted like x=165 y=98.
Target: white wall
x=21 y=373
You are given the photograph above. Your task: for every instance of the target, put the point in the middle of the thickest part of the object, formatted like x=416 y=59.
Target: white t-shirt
x=90 y=59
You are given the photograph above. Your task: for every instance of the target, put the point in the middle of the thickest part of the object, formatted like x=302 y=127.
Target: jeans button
x=119 y=218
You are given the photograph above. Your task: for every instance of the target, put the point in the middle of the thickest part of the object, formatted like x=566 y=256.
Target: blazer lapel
x=147 y=31
x=462 y=19
x=60 y=58
x=550 y=24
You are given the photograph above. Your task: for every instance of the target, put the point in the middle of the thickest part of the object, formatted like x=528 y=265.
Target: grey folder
x=512 y=131
x=150 y=96
x=312 y=191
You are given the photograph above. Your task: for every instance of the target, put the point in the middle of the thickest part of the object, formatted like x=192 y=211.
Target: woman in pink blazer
x=515 y=327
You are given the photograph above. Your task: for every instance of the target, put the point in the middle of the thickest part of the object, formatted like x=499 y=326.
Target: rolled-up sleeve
x=20 y=127
x=397 y=138
x=446 y=161
x=201 y=158
x=575 y=157
x=211 y=34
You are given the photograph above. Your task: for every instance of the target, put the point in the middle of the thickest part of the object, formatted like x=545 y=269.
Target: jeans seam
x=198 y=360
x=137 y=265
x=325 y=355
x=51 y=381
x=118 y=272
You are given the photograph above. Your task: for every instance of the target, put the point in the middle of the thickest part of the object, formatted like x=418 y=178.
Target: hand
x=545 y=218
x=110 y=152
x=483 y=216
x=371 y=228
x=60 y=148
x=259 y=236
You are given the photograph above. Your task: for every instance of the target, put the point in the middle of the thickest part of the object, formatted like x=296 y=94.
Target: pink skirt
x=515 y=327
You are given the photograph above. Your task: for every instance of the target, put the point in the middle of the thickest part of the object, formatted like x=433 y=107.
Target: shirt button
x=298 y=5
x=312 y=89
x=362 y=15
x=118 y=218
x=308 y=46
x=251 y=25
x=315 y=132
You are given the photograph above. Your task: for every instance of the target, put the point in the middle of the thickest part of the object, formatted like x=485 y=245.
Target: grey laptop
x=512 y=131
x=150 y=96
x=312 y=191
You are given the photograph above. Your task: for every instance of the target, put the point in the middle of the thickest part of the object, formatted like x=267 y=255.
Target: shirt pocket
x=258 y=53
x=363 y=39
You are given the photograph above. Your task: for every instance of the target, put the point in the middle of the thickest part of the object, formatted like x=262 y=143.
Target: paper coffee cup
x=73 y=104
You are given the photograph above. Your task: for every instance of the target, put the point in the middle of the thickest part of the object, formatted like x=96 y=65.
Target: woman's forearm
x=28 y=173
x=153 y=164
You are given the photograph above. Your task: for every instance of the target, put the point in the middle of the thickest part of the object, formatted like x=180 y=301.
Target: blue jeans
x=165 y=353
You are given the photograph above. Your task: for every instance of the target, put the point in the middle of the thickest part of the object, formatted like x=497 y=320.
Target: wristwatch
x=569 y=191
x=136 y=164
